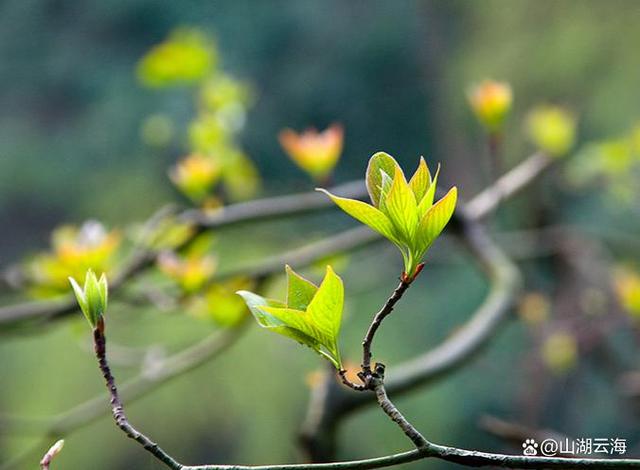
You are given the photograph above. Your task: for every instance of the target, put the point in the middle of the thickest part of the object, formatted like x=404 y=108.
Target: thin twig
x=100 y=345
x=48 y=457
x=386 y=309
x=390 y=409
x=509 y=184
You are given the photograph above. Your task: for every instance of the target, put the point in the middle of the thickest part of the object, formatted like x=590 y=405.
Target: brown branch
x=100 y=345
x=386 y=310
x=508 y=185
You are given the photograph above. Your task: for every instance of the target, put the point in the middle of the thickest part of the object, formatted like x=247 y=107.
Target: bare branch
x=509 y=184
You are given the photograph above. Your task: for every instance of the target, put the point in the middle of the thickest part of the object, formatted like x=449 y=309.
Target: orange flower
x=315 y=152
x=491 y=101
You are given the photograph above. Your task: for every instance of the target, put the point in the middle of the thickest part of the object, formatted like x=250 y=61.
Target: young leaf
x=299 y=290
x=401 y=207
x=366 y=214
x=427 y=200
x=317 y=326
x=326 y=307
x=258 y=305
x=421 y=180
x=378 y=163
x=436 y=218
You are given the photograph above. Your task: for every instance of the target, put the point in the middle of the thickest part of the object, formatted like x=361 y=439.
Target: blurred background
x=92 y=127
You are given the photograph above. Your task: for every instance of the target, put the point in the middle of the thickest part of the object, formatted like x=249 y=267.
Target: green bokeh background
x=395 y=74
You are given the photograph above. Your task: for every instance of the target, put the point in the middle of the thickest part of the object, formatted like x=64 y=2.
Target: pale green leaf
x=299 y=290
x=325 y=311
x=326 y=306
x=258 y=306
x=378 y=163
x=401 y=208
x=387 y=182
x=421 y=180
x=82 y=300
x=366 y=214
x=436 y=218
x=426 y=202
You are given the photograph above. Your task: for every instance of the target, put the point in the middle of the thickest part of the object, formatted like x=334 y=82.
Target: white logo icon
x=530 y=447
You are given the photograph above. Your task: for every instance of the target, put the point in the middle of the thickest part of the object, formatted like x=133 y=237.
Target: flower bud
x=93 y=297
x=491 y=102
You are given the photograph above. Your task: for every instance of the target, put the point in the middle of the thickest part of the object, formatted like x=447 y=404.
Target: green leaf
x=421 y=180
x=318 y=326
x=257 y=306
x=366 y=214
x=427 y=200
x=436 y=218
x=378 y=163
x=387 y=182
x=325 y=309
x=299 y=290
x=401 y=208
x=81 y=298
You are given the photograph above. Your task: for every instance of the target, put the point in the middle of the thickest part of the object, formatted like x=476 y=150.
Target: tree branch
x=331 y=403
x=265 y=209
x=509 y=184
x=426 y=449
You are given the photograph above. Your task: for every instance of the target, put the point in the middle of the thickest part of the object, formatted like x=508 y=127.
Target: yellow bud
x=491 y=102
x=314 y=152
x=195 y=175
x=552 y=129
x=560 y=352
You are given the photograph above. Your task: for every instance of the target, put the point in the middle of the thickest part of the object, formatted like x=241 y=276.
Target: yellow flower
x=195 y=175
x=552 y=129
x=75 y=250
x=190 y=273
x=491 y=102
x=314 y=152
